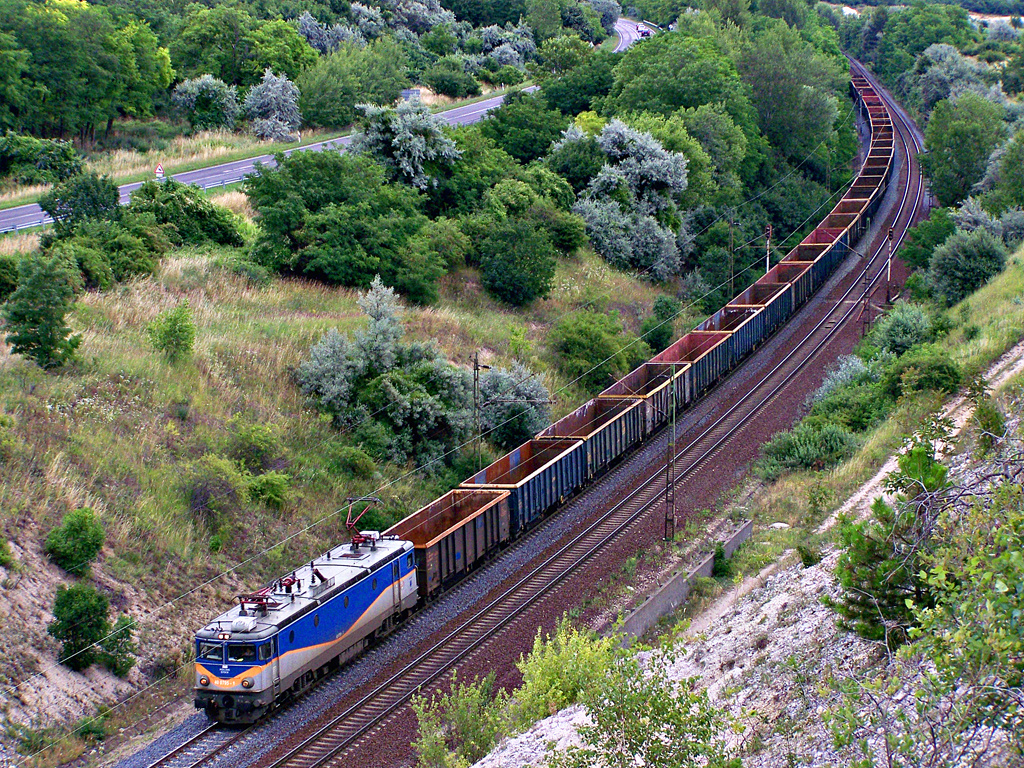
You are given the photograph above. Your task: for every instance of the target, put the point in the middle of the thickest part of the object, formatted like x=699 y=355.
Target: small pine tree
x=118 y=648
x=76 y=541
x=79 y=623
x=34 y=314
x=173 y=333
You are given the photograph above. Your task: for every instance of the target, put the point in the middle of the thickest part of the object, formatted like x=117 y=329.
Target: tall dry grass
x=235 y=201
x=18 y=243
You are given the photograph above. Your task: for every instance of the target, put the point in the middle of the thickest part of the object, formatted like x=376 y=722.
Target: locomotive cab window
x=241 y=653
x=266 y=651
x=211 y=651
x=409 y=561
x=374 y=585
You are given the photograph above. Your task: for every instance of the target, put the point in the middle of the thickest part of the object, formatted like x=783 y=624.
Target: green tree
x=880 y=570
x=76 y=541
x=276 y=45
x=657 y=330
x=670 y=72
x=81 y=198
x=460 y=188
x=515 y=405
x=518 y=262
x=34 y=314
x=214 y=41
x=173 y=333
x=15 y=88
x=965 y=262
x=578 y=89
x=577 y=161
x=80 y=623
x=592 y=349
x=959 y=138
x=408 y=140
x=118 y=648
x=193 y=218
x=923 y=239
x=523 y=126
x=448 y=77
x=559 y=55
x=207 y=102
x=1010 y=186
x=544 y=17
x=639 y=714
x=330 y=90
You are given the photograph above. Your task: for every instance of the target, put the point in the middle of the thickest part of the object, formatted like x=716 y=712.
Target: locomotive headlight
x=204 y=680
x=247 y=683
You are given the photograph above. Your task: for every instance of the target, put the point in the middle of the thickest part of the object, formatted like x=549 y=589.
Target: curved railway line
x=333 y=741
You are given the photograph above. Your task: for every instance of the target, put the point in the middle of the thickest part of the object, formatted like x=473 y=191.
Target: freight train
x=281 y=639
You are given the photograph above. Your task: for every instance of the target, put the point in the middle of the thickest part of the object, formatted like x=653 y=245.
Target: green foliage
x=518 y=262
x=192 y=217
x=113 y=250
x=514 y=406
x=965 y=262
x=560 y=670
x=901 y=328
x=926 y=368
x=923 y=239
x=658 y=330
x=34 y=314
x=76 y=542
x=272 y=488
x=173 y=333
x=640 y=715
x=402 y=401
x=80 y=624
x=806 y=446
x=353 y=461
x=8 y=276
x=256 y=446
x=448 y=77
x=808 y=557
x=592 y=349
x=990 y=422
x=6 y=556
x=959 y=138
x=207 y=102
x=579 y=89
x=118 y=648
x=880 y=570
x=457 y=728
x=523 y=126
x=333 y=216
x=331 y=89
x=721 y=567
x=577 y=161
x=856 y=407
x=85 y=197
x=27 y=160
x=212 y=484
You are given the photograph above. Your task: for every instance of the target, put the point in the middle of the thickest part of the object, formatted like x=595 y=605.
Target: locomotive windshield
x=210 y=651
x=241 y=652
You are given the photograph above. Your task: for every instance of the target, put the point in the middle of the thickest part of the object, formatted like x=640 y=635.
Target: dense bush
x=523 y=126
x=118 y=648
x=401 y=401
x=207 y=102
x=173 y=333
x=28 y=160
x=904 y=326
x=272 y=107
x=254 y=445
x=193 y=218
x=926 y=368
x=658 y=330
x=76 y=541
x=8 y=276
x=85 y=197
x=352 y=461
x=110 y=251
x=518 y=262
x=80 y=624
x=272 y=488
x=34 y=314
x=856 y=408
x=448 y=77
x=806 y=446
x=213 y=484
x=923 y=239
x=592 y=349
x=964 y=263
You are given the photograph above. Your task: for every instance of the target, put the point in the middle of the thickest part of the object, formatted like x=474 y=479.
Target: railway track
x=201 y=748
x=332 y=742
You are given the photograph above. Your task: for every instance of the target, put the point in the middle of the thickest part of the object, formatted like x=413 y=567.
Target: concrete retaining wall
x=674 y=593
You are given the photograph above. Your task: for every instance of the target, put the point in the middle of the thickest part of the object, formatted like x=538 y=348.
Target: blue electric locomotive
x=279 y=640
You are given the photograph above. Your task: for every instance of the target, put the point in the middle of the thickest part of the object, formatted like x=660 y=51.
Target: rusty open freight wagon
x=652 y=384
x=609 y=428
x=454 y=534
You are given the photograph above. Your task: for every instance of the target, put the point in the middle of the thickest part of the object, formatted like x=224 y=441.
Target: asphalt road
x=32 y=215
